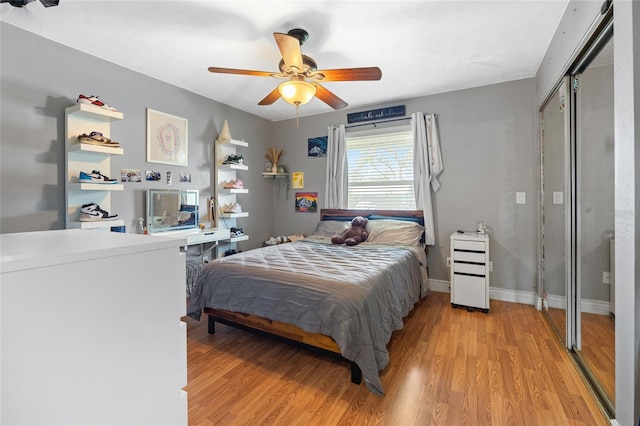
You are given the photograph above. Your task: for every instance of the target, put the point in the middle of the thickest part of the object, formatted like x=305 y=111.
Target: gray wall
x=489 y=150
x=40 y=78
x=487 y=137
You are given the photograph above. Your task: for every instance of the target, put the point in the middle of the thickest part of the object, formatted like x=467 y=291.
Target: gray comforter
x=357 y=295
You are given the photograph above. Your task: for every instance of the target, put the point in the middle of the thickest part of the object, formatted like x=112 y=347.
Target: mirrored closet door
x=556 y=179
x=595 y=215
x=577 y=232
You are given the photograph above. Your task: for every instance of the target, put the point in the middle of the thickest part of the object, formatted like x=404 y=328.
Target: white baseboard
x=441 y=286
x=600 y=307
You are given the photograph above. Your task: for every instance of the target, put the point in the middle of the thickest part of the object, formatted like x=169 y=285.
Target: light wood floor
x=448 y=367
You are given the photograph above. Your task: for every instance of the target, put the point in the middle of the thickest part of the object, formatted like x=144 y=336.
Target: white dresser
x=91 y=330
x=470 y=270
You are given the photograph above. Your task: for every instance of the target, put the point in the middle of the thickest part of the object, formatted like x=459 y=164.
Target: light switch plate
x=521 y=197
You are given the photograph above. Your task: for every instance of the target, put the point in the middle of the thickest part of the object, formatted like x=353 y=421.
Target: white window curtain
x=427 y=166
x=335 y=196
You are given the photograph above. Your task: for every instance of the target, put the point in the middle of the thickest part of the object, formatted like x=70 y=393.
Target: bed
x=337 y=299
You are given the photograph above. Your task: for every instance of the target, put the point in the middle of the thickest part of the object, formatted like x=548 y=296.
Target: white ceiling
x=422 y=47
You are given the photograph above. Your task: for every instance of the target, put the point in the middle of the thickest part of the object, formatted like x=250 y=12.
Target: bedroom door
x=556 y=238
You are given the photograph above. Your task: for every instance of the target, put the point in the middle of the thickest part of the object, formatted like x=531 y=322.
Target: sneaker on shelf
x=92 y=213
x=233 y=184
x=236 y=232
x=95 y=100
x=95 y=177
x=233 y=159
x=97 y=138
x=232 y=208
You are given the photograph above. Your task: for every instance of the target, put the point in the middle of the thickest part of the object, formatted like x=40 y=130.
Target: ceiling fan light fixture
x=297 y=92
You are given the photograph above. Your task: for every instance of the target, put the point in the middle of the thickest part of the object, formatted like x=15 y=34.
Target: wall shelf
x=224 y=173
x=268 y=175
x=80 y=157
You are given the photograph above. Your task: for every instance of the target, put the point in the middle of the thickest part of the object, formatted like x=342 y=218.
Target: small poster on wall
x=307 y=202
x=297 y=180
x=318 y=146
x=130 y=175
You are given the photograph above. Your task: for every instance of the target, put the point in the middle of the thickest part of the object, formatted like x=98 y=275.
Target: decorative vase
x=274 y=169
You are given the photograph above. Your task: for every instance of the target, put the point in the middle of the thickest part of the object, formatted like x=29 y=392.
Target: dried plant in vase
x=274 y=155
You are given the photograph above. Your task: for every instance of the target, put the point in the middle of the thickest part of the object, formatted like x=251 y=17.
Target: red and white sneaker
x=95 y=100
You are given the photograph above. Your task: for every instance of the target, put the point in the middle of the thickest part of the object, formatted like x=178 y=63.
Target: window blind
x=380 y=168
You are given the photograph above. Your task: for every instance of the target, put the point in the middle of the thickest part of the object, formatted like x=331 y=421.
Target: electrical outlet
x=448 y=262
x=606 y=277
x=521 y=197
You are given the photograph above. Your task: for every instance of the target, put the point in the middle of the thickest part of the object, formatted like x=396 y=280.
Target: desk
x=196 y=236
x=199 y=237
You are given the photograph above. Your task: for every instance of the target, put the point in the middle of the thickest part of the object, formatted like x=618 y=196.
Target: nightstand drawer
x=467 y=256
x=467 y=282
x=469 y=268
x=469 y=245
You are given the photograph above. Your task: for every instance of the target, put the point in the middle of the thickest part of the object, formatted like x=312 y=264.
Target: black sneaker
x=236 y=232
x=234 y=159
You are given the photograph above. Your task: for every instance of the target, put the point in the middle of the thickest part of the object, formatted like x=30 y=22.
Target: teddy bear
x=353 y=235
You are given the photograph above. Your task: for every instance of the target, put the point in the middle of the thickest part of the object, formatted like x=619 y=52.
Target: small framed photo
x=167 y=139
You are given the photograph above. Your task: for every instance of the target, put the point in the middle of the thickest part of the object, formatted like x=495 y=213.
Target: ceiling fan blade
x=271 y=97
x=350 y=74
x=242 y=72
x=328 y=97
x=290 y=49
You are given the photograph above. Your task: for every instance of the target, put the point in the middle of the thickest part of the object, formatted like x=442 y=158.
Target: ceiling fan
x=302 y=75
x=23 y=3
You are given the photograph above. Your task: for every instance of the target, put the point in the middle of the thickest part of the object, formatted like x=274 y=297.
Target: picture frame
x=167 y=138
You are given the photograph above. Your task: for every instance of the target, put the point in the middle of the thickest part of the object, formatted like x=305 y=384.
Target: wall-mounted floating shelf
x=268 y=175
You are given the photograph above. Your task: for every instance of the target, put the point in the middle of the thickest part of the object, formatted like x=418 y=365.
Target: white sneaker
x=92 y=213
x=232 y=208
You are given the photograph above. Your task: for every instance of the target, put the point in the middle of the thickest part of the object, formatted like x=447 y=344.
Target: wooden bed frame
x=290 y=333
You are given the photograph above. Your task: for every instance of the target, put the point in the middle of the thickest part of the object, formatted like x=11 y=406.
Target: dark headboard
x=347 y=214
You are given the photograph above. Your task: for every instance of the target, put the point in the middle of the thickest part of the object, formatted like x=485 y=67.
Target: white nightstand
x=470 y=270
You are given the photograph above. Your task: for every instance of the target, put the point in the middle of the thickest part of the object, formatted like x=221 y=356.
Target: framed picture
x=166 y=138
x=307 y=202
x=297 y=180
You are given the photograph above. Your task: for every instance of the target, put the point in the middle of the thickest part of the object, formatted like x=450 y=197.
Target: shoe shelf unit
x=79 y=119
x=225 y=196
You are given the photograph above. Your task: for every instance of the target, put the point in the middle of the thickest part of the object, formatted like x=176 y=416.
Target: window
x=380 y=165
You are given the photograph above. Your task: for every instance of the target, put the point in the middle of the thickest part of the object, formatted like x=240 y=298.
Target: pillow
x=395 y=231
x=419 y=220
x=327 y=228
